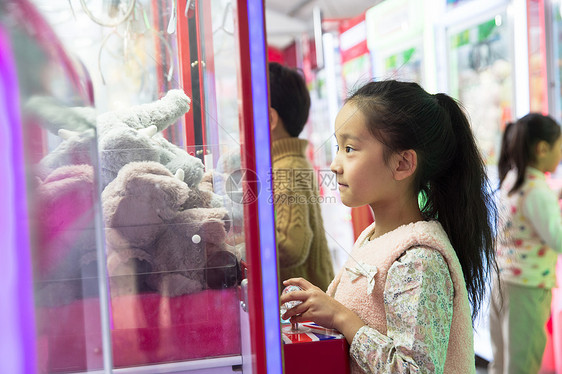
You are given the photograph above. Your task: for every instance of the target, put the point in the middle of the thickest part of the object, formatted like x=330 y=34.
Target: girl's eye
x=348 y=149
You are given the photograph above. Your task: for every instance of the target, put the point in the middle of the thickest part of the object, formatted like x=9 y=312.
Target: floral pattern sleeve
x=418 y=301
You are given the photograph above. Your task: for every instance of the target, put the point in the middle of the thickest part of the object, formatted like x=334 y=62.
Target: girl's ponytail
x=462 y=198
x=505 y=161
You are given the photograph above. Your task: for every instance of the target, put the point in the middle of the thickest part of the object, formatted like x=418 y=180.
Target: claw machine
x=136 y=165
x=482 y=58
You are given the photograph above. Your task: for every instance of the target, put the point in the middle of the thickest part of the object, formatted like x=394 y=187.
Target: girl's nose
x=335 y=166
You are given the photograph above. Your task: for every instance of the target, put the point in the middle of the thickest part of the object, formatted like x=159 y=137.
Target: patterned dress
x=419 y=303
x=408 y=287
x=530 y=231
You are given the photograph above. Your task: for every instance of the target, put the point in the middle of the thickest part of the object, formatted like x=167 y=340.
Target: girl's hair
x=450 y=174
x=519 y=143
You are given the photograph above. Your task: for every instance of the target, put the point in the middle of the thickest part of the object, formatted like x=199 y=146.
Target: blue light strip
x=270 y=295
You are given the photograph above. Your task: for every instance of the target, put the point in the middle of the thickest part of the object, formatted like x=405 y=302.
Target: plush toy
x=227 y=182
x=60 y=116
x=126 y=135
x=203 y=196
x=76 y=126
x=134 y=134
x=223 y=270
x=77 y=148
x=162 y=218
x=154 y=241
x=65 y=248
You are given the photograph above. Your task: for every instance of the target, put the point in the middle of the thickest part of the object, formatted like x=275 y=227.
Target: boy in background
x=301 y=241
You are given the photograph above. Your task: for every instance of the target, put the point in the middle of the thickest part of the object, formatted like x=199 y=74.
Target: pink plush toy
x=66 y=241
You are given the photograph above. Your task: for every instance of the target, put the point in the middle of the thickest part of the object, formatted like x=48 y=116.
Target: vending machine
x=136 y=176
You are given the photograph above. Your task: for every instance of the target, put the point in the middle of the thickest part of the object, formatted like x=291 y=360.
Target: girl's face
x=553 y=156
x=362 y=175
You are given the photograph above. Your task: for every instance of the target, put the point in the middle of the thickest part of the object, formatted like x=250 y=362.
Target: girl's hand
x=320 y=308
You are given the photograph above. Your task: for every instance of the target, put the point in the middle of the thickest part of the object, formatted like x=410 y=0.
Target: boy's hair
x=289 y=97
x=519 y=143
x=450 y=174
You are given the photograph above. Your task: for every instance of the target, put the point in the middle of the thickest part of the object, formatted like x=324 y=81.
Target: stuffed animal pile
x=165 y=228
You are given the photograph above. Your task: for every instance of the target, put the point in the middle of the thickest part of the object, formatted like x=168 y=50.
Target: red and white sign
x=353 y=38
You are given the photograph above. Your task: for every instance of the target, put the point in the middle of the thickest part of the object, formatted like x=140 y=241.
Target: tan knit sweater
x=301 y=242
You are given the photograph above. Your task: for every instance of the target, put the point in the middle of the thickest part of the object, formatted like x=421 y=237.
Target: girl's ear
x=273 y=118
x=542 y=148
x=407 y=162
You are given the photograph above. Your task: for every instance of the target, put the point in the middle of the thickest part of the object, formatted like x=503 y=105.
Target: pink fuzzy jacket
x=382 y=252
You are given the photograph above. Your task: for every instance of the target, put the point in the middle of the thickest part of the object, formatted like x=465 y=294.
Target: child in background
x=529 y=240
x=403 y=297
x=302 y=247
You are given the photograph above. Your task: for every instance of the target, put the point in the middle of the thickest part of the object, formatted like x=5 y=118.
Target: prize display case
x=138 y=177
x=480 y=59
x=499 y=49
